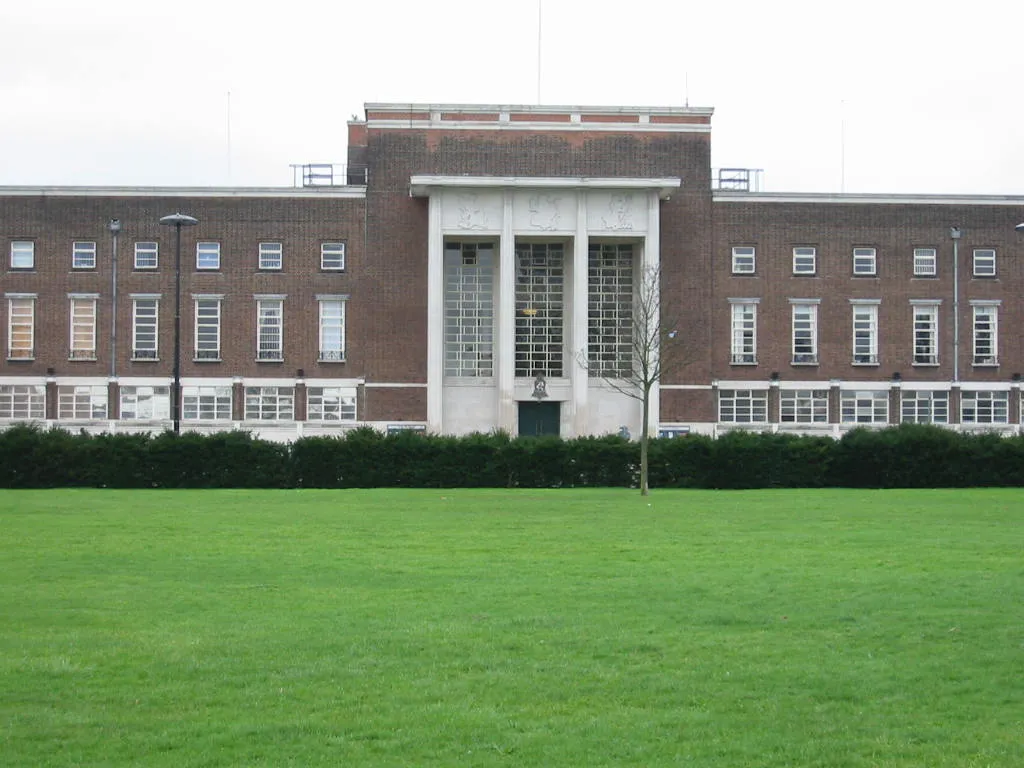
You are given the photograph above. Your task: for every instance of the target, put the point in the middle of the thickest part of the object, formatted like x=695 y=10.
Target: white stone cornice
x=421 y=186
x=723 y=196
x=196 y=192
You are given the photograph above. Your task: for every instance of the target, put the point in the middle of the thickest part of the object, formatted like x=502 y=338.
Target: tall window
x=269 y=329
x=146 y=255
x=865 y=333
x=22 y=402
x=83 y=328
x=803 y=406
x=145 y=320
x=332 y=256
x=21 y=327
x=984 y=407
x=145 y=403
x=330 y=404
x=539 y=309
x=864 y=407
x=923 y=406
x=984 y=262
x=468 y=309
x=743 y=406
x=743 y=349
x=986 y=334
x=805 y=333
x=207 y=328
x=743 y=260
x=926 y=334
x=610 y=309
x=207 y=255
x=271 y=255
x=23 y=254
x=206 y=403
x=864 y=262
x=81 y=402
x=332 y=329
x=269 y=403
x=83 y=255
x=805 y=261
x=925 y=262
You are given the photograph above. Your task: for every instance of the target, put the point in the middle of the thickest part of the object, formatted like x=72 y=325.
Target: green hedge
x=907 y=456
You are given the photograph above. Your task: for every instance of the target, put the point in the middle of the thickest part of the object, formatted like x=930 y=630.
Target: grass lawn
x=531 y=628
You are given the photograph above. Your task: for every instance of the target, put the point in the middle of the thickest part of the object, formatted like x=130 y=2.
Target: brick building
x=472 y=255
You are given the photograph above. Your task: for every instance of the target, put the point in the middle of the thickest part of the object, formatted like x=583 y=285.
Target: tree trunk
x=644 y=490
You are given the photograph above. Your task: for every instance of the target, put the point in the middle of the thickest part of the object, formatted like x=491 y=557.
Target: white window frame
x=743 y=406
x=206 y=345
x=23 y=254
x=331 y=318
x=870 y=406
x=805 y=260
x=147 y=254
x=81 y=402
x=984 y=406
x=924 y=406
x=743 y=335
x=145 y=403
x=83 y=254
x=926 y=262
x=803 y=406
x=744 y=259
x=271 y=256
x=269 y=324
x=149 y=350
x=206 y=403
x=332 y=256
x=984 y=263
x=865 y=262
x=805 y=321
x=22 y=402
x=985 y=333
x=21 y=326
x=269 y=403
x=208 y=256
x=330 y=404
x=82 y=315
x=865 y=331
x=925 y=329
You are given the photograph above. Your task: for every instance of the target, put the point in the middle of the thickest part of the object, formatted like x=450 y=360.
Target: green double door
x=540 y=418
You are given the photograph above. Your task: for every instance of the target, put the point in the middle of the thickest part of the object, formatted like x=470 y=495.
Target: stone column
x=578 y=373
x=435 y=316
x=652 y=261
x=505 y=344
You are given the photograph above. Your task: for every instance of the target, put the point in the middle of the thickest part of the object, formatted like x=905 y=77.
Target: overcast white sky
x=136 y=92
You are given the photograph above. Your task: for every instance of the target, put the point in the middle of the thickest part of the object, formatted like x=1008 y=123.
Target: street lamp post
x=177 y=220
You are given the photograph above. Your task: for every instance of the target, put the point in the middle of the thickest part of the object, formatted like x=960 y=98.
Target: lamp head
x=179 y=220
x=114 y=225
x=1020 y=227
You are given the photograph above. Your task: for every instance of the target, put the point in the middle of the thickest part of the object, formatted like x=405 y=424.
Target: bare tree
x=654 y=348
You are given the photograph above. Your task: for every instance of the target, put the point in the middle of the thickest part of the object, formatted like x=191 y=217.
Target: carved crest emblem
x=620 y=213
x=471 y=215
x=544 y=213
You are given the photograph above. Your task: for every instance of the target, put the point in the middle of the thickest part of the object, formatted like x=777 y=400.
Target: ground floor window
x=145 y=403
x=269 y=403
x=865 y=407
x=18 y=401
x=804 y=406
x=330 y=404
x=924 y=406
x=743 y=406
x=985 y=407
x=81 y=402
x=206 y=403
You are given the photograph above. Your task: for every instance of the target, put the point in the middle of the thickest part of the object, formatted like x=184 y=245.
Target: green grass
x=533 y=628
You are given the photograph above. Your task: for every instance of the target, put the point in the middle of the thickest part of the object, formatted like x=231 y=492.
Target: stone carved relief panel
x=471 y=211
x=617 y=211
x=544 y=211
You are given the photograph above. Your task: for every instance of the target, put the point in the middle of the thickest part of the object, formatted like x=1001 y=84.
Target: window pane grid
x=984 y=407
x=207 y=255
x=330 y=404
x=610 y=310
x=924 y=261
x=271 y=255
x=744 y=333
x=804 y=261
x=206 y=403
x=925 y=407
x=146 y=255
x=83 y=329
x=332 y=255
x=986 y=336
x=539 y=309
x=207 y=329
x=865 y=335
x=23 y=254
x=144 y=329
x=81 y=402
x=145 y=403
x=332 y=330
x=864 y=261
x=269 y=330
x=805 y=333
x=21 y=329
x=804 y=406
x=743 y=406
x=984 y=262
x=469 y=309
x=743 y=260
x=22 y=402
x=269 y=403
x=926 y=335
x=871 y=407
x=83 y=255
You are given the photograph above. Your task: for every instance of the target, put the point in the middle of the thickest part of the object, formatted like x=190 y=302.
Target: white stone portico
x=506 y=212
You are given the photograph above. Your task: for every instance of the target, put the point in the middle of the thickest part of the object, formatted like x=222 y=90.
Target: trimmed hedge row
x=908 y=456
